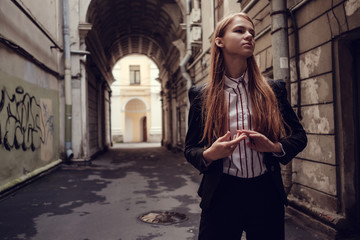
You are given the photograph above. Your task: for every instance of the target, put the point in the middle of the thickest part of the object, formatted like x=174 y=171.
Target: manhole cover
x=163 y=217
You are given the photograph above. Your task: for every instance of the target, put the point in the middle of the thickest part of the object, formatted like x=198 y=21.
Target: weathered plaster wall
x=314 y=178
x=16 y=27
x=29 y=127
x=30 y=123
x=318 y=169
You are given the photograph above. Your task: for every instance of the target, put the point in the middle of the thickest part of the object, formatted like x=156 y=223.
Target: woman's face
x=238 y=39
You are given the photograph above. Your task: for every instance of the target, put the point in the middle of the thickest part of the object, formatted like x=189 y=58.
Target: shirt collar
x=234 y=82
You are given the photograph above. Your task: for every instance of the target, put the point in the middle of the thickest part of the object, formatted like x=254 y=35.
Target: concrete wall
x=30 y=111
x=317 y=178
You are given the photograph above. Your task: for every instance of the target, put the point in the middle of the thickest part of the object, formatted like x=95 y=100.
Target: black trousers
x=250 y=205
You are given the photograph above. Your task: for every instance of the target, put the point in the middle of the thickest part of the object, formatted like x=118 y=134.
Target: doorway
x=144 y=129
x=356 y=83
x=348 y=127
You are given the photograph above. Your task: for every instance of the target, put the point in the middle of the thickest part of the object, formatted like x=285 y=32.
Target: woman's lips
x=248 y=44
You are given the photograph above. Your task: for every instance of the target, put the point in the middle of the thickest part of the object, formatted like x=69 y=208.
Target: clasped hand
x=224 y=146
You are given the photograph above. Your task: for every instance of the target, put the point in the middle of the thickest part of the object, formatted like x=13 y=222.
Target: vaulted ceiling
x=122 y=27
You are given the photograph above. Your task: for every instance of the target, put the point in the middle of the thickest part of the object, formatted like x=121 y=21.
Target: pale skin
x=237 y=45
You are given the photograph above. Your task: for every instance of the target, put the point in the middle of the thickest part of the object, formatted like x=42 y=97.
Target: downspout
x=297 y=62
x=67 y=77
x=111 y=140
x=280 y=45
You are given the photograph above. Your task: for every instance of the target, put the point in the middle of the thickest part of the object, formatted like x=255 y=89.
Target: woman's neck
x=235 y=67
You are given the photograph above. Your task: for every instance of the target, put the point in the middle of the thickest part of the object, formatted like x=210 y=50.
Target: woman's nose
x=248 y=35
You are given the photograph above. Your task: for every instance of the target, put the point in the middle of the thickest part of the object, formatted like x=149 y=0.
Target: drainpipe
x=297 y=62
x=111 y=140
x=67 y=77
x=280 y=46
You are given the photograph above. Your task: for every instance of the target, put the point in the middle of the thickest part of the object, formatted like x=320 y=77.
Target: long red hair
x=266 y=116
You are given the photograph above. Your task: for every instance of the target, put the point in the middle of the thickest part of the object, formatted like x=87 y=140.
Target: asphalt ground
x=104 y=199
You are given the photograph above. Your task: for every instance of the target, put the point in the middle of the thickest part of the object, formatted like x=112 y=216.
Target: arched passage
x=135 y=113
x=120 y=28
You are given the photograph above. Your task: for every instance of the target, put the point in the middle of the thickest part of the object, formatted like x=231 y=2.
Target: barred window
x=134 y=74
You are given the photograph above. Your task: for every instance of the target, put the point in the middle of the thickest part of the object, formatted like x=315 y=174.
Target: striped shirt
x=244 y=162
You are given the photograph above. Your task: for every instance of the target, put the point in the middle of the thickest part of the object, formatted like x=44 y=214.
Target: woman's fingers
x=247 y=131
x=225 y=137
x=257 y=141
x=236 y=140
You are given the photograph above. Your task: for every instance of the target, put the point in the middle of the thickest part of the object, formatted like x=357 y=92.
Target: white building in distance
x=135 y=105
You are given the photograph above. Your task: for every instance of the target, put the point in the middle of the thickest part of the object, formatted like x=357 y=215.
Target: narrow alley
x=104 y=200
x=79 y=78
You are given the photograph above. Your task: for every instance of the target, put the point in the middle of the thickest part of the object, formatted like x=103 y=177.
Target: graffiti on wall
x=26 y=123
x=48 y=128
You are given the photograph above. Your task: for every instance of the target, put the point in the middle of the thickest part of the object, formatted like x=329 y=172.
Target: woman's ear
x=219 y=42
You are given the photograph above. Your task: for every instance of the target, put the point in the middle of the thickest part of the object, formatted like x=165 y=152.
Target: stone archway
x=151 y=28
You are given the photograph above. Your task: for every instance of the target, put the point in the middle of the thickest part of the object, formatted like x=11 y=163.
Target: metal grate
x=163 y=217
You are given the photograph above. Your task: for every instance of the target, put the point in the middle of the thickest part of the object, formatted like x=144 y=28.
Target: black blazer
x=293 y=144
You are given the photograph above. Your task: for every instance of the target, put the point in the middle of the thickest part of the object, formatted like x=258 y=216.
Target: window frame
x=134 y=72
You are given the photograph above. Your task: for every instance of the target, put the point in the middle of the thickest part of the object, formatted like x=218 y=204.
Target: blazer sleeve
x=193 y=147
x=296 y=139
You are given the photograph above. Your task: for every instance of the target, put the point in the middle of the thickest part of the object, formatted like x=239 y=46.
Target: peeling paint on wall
x=320 y=148
x=310 y=62
x=317 y=176
x=351 y=6
x=317 y=123
x=321 y=177
x=313 y=89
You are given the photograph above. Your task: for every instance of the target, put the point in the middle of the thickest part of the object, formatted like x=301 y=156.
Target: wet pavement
x=103 y=200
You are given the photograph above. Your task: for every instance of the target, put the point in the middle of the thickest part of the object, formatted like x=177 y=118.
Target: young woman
x=240 y=128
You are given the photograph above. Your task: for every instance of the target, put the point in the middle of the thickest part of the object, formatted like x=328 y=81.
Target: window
x=218 y=10
x=134 y=74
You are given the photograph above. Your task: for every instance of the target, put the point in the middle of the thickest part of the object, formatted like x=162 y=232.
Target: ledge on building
x=333 y=225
